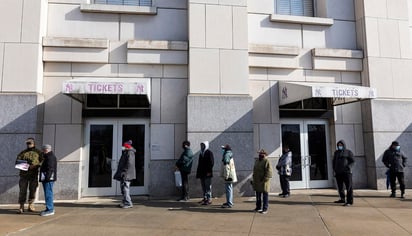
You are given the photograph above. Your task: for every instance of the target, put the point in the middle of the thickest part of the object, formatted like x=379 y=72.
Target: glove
x=123 y=176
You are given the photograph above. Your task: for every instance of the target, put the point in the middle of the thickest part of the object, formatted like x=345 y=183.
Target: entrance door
x=104 y=139
x=311 y=160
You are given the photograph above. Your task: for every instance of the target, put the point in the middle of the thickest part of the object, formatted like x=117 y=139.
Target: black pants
x=284 y=184
x=401 y=180
x=345 y=178
x=30 y=182
x=185 y=184
x=259 y=200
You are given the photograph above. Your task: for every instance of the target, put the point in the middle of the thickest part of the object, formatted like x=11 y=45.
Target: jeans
x=401 y=180
x=27 y=182
x=206 y=187
x=229 y=193
x=345 y=178
x=284 y=184
x=185 y=185
x=48 y=195
x=125 y=189
x=259 y=200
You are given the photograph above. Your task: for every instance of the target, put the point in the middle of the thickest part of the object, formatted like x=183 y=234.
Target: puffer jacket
x=343 y=160
x=394 y=160
x=228 y=171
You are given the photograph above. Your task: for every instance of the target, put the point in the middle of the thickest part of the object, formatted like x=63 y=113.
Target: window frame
x=314 y=12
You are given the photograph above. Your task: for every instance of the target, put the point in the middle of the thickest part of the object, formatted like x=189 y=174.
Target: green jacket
x=262 y=172
x=185 y=161
x=34 y=157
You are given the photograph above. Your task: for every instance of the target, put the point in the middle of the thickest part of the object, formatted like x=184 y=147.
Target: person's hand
x=176 y=168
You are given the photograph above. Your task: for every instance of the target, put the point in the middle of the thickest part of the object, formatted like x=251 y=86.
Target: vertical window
x=294 y=7
x=125 y=2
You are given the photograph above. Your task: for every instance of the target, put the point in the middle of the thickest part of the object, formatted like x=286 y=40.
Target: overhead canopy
x=290 y=92
x=123 y=86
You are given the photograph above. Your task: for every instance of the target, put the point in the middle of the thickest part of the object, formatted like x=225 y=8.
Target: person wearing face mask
x=284 y=168
x=29 y=178
x=342 y=167
x=395 y=160
x=262 y=173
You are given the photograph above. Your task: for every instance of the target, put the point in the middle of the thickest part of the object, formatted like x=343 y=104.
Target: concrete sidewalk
x=306 y=212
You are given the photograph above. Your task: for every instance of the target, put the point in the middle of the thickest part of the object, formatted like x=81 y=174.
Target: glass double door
x=311 y=159
x=103 y=149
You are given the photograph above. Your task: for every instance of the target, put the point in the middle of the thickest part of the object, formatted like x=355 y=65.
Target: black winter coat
x=205 y=165
x=343 y=160
x=394 y=160
x=48 y=169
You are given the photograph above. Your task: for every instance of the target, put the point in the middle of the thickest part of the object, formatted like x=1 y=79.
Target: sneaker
x=126 y=206
x=392 y=195
x=257 y=210
x=265 y=211
x=47 y=213
x=226 y=205
x=281 y=194
x=121 y=205
x=339 y=201
x=402 y=195
x=347 y=204
x=203 y=200
x=31 y=208
x=286 y=195
x=206 y=202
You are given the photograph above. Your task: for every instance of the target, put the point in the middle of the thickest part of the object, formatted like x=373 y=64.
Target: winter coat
x=126 y=170
x=343 y=160
x=394 y=160
x=228 y=171
x=34 y=158
x=206 y=162
x=262 y=172
x=185 y=161
x=48 y=169
x=284 y=165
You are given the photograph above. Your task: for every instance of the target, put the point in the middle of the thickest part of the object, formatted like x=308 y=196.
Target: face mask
x=340 y=148
x=398 y=148
x=123 y=148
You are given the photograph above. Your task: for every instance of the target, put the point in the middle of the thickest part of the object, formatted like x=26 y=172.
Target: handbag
x=178 y=179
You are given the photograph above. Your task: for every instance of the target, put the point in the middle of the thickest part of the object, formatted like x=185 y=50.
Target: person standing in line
x=126 y=172
x=184 y=165
x=205 y=172
x=262 y=173
x=228 y=174
x=284 y=168
x=29 y=178
x=48 y=175
x=395 y=160
x=342 y=166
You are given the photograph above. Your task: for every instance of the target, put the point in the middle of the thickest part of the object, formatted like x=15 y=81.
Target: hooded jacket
x=228 y=171
x=394 y=160
x=206 y=162
x=343 y=160
x=126 y=170
x=185 y=161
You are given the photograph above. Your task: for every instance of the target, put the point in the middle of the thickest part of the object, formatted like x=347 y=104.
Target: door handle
x=309 y=160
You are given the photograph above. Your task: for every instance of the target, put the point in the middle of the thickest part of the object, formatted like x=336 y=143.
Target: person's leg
x=48 y=195
x=282 y=184
x=23 y=185
x=392 y=179
x=203 y=183
x=185 y=185
x=33 y=184
x=258 y=201
x=349 y=188
x=208 y=188
x=287 y=186
x=126 y=194
x=230 y=194
x=265 y=201
x=339 y=182
x=401 y=180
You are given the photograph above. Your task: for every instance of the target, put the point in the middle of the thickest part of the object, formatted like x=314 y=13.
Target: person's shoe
x=347 y=204
x=21 y=209
x=203 y=200
x=264 y=211
x=226 y=205
x=127 y=206
x=206 y=202
x=46 y=213
x=402 y=195
x=31 y=208
x=339 y=201
x=286 y=195
x=257 y=210
x=183 y=200
x=281 y=194
x=392 y=195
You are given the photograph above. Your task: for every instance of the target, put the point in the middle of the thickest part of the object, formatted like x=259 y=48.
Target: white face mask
x=123 y=148
x=340 y=148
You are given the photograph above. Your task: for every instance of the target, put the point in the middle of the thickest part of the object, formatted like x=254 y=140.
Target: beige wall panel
x=170 y=24
x=91 y=55
x=351 y=77
x=161 y=141
x=234 y=71
x=380 y=74
x=205 y=1
x=352 y=113
x=22 y=68
x=405 y=39
x=260 y=91
x=340 y=10
x=359 y=144
x=173 y=100
x=204 y=71
x=261 y=6
x=389 y=38
x=219 y=26
x=337 y=111
x=57 y=69
x=342 y=34
x=139 y=71
x=279 y=34
x=338 y=64
x=180 y=136
x=156 y=57
x=256 y=139
x=375 y=8
x=314 y=36
x=323 y=76
x=286 y=74
x=77 y=112
x=258 y=73
x=272 y=61
x=155 y=101
x=305 y=59
x=233 y=2
x=90 y=69
x=274 y=101
x=175 y=71
x=397 y=9
x=270 y=139
x=55 y=101
x=240 y=25
x=402 y=83
x=49 y=135
x=118 y=52
x=67 y=21
x=68 y=142
x=197 y=25
x=347 y=133
x=372 y=39
x=1 y=64
x=32 y=28
x=70 y=1
x=10 y=20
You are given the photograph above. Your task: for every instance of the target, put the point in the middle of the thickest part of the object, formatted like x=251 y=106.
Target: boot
x=21 y=209
x=31 y=207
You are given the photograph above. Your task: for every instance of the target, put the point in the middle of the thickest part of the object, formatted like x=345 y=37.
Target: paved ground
x=307 y=212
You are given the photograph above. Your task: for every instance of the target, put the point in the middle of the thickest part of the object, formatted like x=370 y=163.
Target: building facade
x=87 y=75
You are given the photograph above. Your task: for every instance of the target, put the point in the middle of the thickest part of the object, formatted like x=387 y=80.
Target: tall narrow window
x=125 y=2
x=294 y=7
